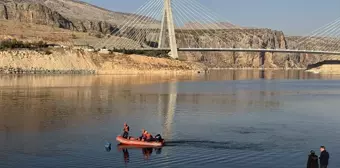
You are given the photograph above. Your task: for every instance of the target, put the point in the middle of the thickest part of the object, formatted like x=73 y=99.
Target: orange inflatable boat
x=134 y=142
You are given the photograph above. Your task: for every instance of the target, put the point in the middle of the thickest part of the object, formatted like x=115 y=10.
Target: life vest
x=148 y=136
x=144 y=135
x=126 y=128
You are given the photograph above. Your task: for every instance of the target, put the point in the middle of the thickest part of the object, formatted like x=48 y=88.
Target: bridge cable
x=128 y=20
x=195 y=23
x=137 y=27
x=184 y=16
x=315 y=31
x=322 y=38
x=135 y=18
x=208 y=29
x=318 y=33
x=138 y=37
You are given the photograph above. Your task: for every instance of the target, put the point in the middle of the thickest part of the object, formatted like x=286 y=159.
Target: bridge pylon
x=168 y=26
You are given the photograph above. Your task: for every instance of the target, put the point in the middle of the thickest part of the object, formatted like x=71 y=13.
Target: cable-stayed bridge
x=187 y=25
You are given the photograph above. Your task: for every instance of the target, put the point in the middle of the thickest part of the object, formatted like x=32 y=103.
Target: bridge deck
x=244 y=50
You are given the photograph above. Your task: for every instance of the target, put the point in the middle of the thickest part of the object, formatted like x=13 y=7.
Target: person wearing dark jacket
x=313 y=160
x=126 y=130
x=324 y=157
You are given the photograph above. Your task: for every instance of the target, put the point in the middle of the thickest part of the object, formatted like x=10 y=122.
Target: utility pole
x=168 y=24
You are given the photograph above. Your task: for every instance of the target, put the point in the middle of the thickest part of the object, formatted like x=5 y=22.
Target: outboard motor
x=158 y=138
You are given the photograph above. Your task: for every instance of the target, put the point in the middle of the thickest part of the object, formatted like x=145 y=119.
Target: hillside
x=68 y=14
x=35 y=32
x=73 y=22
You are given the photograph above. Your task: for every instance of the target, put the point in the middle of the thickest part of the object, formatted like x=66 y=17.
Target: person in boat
x=312 y=160
x=126 y=131
x=148 y=137
x=143 y=136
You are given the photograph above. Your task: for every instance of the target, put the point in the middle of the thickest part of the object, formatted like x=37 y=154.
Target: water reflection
x=166 y=107
x=62 y=81
x=35 y=103
x=146 y=152
x=68 y=116
x=265 y=74
x=69 y=81
x=126 y=155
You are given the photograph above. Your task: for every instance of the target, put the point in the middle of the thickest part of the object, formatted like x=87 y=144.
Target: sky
x=294 y=17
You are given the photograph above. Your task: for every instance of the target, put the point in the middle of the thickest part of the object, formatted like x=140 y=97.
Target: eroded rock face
x=39 y=12
x=94 y=26
x=68 y=14
x=33 y=13
x=249 y=38
x=3 y=12
x=237 y=38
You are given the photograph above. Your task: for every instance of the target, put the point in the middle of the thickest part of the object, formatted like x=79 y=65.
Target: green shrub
x=10 y=44
x=158 y=54
x=15 y=44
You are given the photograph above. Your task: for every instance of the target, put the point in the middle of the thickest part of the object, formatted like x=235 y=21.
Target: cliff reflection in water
x=29 y=103
x=67 y=119
x=265 y=74
x=36 y=103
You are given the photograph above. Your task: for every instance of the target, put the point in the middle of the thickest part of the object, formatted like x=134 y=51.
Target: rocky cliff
x=69 y=14
x=242 y=38
x=33 y=13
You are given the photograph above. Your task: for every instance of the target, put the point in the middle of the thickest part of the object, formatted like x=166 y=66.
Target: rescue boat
x=134 y=142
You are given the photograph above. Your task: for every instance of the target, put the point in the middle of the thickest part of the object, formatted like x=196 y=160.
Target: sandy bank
x=331 y=67
x=75 y=61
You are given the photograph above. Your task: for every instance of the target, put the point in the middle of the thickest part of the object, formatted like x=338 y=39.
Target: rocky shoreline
x=13 y=70
x=329 y=67
x=68 y=61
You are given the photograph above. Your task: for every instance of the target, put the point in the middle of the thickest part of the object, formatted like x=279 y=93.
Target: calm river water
x=223 y=119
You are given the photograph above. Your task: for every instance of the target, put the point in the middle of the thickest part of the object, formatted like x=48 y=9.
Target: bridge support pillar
x=168 y=24
x=262 y=59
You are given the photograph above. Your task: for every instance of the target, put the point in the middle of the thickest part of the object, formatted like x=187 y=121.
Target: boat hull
x=124 y=141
